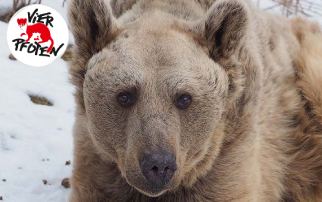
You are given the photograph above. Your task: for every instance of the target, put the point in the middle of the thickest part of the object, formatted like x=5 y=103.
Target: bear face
x=172 y=102
x=152 y=94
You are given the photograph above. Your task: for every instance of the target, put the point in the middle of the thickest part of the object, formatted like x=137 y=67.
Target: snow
x=5 y=6
x=36 y=140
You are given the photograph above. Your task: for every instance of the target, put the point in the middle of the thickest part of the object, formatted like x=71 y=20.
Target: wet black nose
x=158 y=168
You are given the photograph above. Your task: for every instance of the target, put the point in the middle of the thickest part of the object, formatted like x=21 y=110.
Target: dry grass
x=40 y=100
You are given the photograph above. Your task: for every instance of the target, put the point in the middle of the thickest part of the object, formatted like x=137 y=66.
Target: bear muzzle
x=158 y=169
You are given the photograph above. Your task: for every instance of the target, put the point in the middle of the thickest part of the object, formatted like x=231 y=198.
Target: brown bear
x=194 y=101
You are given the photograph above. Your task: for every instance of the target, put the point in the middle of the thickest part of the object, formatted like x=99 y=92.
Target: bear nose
x=158 y=168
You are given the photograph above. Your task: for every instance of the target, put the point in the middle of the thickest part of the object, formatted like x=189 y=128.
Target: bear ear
x=223 y=27
x=93 y=25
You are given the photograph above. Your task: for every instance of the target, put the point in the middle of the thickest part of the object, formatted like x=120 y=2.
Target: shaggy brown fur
x=305 y=171
x=253 y=130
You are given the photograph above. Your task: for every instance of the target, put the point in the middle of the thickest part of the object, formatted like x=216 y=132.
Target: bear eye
x=184 y=101
x=126 y=99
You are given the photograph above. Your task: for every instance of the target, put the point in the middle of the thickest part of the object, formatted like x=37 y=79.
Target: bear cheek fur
x=201 y=138
x=105 y=136
x=105 y=122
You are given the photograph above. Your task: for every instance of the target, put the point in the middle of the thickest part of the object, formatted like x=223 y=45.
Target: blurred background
x=37 y=110
x=290 y=8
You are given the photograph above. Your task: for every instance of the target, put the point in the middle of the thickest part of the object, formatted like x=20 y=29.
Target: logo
x=37 y=35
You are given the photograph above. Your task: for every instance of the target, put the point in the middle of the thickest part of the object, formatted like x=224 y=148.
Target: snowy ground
x=36 y=140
